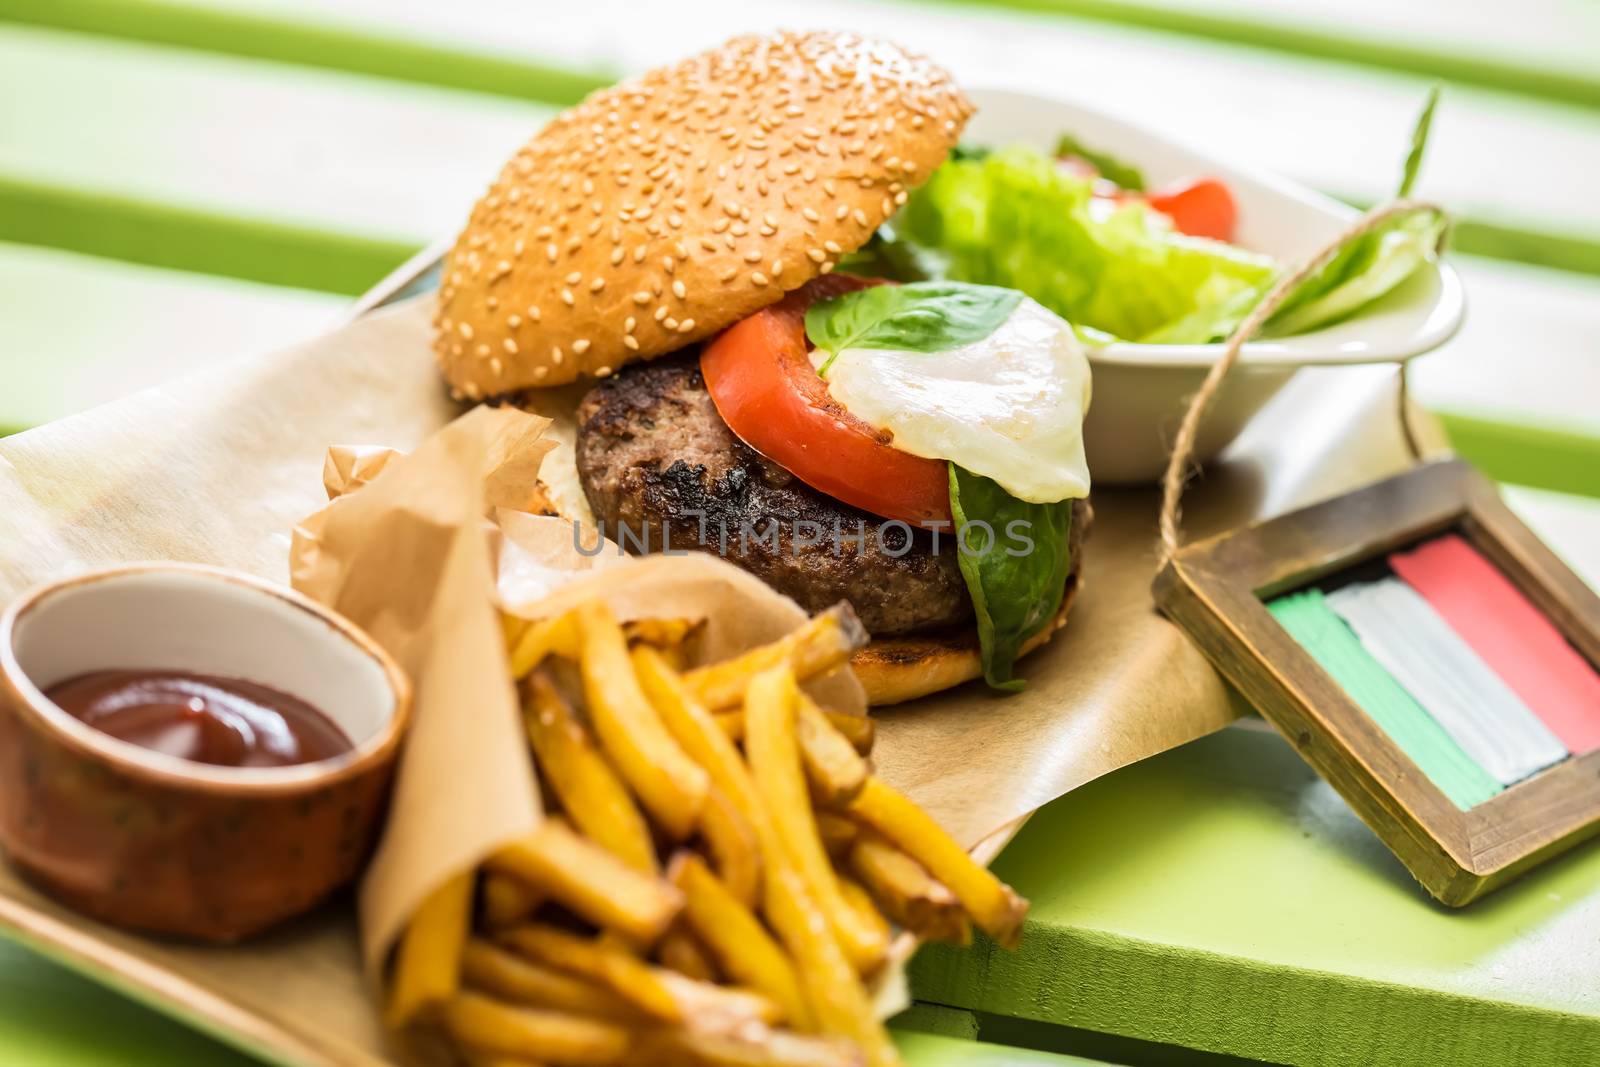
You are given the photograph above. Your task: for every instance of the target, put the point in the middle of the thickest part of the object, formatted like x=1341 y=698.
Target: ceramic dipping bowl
x=163 y=844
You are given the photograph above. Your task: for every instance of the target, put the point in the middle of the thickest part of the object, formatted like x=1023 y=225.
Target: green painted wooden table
x=187 y=181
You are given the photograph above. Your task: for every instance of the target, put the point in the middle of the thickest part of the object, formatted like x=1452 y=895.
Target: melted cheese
x=1009 y=407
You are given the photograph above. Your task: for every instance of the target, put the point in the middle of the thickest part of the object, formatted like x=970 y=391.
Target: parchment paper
x=220 y=468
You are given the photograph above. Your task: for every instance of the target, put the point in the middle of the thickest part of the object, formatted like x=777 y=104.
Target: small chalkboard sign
x=1422 y=649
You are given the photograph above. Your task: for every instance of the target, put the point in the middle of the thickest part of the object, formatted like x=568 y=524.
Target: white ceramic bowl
x=1141 y=391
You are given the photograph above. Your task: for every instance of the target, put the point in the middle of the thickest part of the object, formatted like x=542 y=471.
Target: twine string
x=1180 y=463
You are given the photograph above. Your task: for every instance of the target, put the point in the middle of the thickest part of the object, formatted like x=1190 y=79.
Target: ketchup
x=224 y=721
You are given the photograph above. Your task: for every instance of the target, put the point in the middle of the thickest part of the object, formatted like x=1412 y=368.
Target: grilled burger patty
x=654 y=455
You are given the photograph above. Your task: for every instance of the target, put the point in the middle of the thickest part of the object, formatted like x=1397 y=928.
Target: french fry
x=906 y=892
x=608 y=963
x=838 y=1001
x=489 y=1026
x=590 y=792
x=697 y=731
x=994 y=906
x=558 y=636
x=718 y=1008
x=671 y=786
x=590 y=881
x=659 y=633
x=731 y=840
x=834 y=768
x=823 y=643
x=662 y=994
x=862 y=904
x=427 y=962
x=775 y=1048
x=838 y=832
x=774 y=757
x=513 y=627
x=679 y=951
x=506 y=900
x=742 y=946
x=860 y=729
x=509 y=976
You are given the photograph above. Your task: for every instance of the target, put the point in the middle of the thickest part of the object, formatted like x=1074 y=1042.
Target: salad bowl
x=1141 y=390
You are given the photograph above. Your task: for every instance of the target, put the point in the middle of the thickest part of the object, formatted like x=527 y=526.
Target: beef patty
x=655 y=457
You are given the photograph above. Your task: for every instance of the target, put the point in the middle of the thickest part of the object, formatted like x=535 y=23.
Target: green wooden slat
x=79 y=331
x=164 y=235
x=50 y=1017
x=1411 y=57
x=1540 y=457
x=1222 y=897
x=260 y=36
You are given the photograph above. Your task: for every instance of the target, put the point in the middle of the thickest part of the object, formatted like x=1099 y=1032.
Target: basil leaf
x=1015 y=559
x=1123 y=175
x=920 y=317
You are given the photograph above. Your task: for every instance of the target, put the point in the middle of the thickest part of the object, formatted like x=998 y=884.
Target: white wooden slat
x=337 y=152
x=1528 y=353
x=76 y=331
x=1340 y=128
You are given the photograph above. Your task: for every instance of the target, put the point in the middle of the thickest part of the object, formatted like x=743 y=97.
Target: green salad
x=1077 y=231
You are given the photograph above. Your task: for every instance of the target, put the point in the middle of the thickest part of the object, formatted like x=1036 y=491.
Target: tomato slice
x=1202 y=207
x=760 y=376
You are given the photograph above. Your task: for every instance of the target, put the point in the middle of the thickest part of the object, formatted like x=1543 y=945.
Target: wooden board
x=1223 y=897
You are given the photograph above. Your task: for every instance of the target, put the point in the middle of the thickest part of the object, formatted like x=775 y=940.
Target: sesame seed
x=602 y=372
x=758 y=278
x=728 y=275
x=567 y=298
x=556 y=355
x=832 y=247
x=670 y=323
x=629 y=323
x=533 y=313
x=514 y=321
x=496 y=366
x=540 y=373
x=642 y=297
x=844 y=209
x=465 y=329
x=686 y=325
x=861 y=218
x=574 y=278
x=510 y=345
x=679 y=290
x=580 y=346
x=817 y=255
x=616 y=256
x=661 y=313
x=630 y=342
x=810 y=216
x=753 y=256
x=825 y=268
x=777 y=267
x=597 y=285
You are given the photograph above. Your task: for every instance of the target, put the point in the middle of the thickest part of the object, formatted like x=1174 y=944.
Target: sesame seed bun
x=663 y=209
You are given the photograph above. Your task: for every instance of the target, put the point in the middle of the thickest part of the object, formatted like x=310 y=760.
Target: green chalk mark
x=1331 y=643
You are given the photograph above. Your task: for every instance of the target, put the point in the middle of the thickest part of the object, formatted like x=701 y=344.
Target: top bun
x=670 y=206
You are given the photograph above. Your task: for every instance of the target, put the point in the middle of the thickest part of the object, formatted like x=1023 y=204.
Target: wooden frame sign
x=1221 y=592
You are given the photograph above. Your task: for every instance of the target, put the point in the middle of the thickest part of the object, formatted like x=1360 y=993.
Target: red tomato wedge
x=760 y=376
x=1202 y=207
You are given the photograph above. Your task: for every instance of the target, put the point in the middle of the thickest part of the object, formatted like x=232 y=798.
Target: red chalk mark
x=1508 y=633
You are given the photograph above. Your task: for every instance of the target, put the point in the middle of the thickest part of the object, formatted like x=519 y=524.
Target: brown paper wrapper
x=221 y=467
x=465 y=786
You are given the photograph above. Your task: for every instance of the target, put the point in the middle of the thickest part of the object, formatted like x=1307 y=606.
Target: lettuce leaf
x=1014 y=219
x=1369 y=266
x=1015 y=559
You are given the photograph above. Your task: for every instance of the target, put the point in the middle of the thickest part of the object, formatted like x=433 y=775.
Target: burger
x=685 y=261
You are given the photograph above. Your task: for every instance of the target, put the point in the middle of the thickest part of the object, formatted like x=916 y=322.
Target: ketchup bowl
x=189 y=751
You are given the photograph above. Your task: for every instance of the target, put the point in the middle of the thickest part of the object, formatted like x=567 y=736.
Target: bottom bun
x=896 y=669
